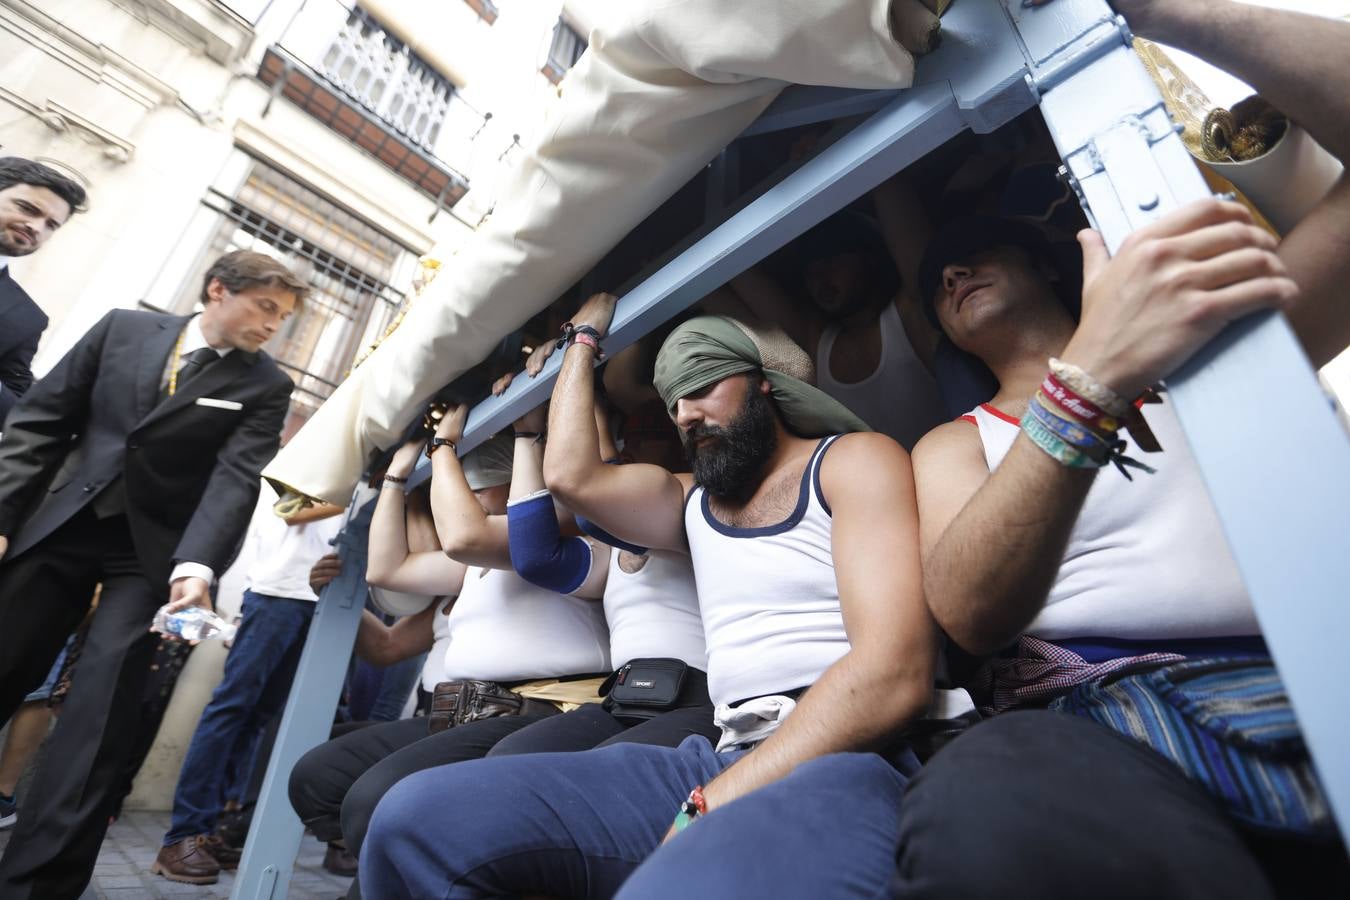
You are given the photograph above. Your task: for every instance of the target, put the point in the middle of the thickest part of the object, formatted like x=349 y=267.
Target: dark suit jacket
x=21 y=325
x=191 y=470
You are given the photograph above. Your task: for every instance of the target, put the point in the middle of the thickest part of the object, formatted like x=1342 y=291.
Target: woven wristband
x=581 y=337
x=1089 y=388
x=1073 y=433
x=1079 y=407
x=1098 y=450
x=1054 y=447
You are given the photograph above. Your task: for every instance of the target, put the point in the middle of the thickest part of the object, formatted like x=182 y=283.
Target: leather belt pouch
x=457 y=702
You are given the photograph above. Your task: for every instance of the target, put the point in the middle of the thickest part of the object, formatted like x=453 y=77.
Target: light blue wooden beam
x=977 y=79
x=1274 y=457
x=915 y=122
x=274 y=838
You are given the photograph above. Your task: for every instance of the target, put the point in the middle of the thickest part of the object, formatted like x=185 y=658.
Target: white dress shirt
x=193 y=339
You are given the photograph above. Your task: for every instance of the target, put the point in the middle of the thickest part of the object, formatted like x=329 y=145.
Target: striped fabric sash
x=1040 y=671
x=1228 y=725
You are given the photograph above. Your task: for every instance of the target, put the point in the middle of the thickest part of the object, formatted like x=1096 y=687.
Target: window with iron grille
x=378 y=71
x=348 y=264
x=563 y=52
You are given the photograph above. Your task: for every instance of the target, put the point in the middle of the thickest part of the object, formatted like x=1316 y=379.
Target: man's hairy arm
x=885 y=680
x=992 y=542
x=638 y=503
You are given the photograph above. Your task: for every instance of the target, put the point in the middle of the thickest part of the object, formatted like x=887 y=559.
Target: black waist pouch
x=644 y=688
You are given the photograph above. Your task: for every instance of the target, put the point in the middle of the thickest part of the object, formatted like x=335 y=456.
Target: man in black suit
x=34 y=201
x=135 y=463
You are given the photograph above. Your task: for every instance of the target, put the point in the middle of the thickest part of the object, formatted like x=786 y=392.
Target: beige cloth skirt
x=659 y=93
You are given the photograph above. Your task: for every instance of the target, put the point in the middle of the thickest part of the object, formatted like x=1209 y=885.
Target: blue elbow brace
x=604 y=537
x=539 y=552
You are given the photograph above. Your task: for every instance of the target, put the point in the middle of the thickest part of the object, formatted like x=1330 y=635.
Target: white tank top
x=502 y=628
x=768 y=595
x=433 y=669
x=1146 y=558
x=900 y=398
x=653 y=612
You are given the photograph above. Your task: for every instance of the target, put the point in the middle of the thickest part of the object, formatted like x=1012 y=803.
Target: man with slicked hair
x=35 y=200
x=133 y=464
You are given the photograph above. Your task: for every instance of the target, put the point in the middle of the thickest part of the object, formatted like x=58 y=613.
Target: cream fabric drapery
x=658 y=94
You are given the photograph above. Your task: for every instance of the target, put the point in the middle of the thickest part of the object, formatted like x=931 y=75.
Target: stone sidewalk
x=123 y=870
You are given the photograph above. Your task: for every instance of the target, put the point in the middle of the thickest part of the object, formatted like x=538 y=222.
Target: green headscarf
x=707 y=349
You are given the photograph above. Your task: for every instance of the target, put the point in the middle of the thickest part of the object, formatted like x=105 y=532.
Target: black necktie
x=196 y=361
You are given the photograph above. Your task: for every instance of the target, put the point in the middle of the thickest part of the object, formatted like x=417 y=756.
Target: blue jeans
x=44 y=691
x=258 y=674
x=395 y=687
x=828 y=830
x=559 y=824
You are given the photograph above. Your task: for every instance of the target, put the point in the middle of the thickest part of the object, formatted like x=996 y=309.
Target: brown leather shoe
x=227 y=856
x=188 y=861
x=340 y=861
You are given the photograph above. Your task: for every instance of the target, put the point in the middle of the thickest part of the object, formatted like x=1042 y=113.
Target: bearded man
x=808 y=577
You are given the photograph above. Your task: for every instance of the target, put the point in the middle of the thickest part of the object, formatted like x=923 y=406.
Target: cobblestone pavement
x=123 y=870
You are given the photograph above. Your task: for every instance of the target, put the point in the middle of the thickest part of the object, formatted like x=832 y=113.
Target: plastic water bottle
x=192 y=624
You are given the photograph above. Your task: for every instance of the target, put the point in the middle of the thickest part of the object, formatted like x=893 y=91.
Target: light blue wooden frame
x=1282 y=490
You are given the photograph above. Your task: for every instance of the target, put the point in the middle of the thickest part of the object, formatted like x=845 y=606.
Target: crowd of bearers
x=646 y=682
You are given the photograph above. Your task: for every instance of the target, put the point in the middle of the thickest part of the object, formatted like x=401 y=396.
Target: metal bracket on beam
x=1123 y=155
x=1076 y=54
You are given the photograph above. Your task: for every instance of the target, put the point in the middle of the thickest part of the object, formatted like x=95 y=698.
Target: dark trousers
x=1042 y=804
x=258 y=674
x=591 y=726
x=335 y=787
x=553 y=824
x=43 y=594
x=1026 y=805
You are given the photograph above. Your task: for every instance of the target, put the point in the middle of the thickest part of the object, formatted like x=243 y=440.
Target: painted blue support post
x=1281 y=489
x=274 y=840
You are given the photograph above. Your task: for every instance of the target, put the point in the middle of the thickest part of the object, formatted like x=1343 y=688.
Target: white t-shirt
x=900 y=398
x=768 y=596
x=433 y=669
x=1146 y=558
x=502 y=628
x=653 y=612
x=279 y=556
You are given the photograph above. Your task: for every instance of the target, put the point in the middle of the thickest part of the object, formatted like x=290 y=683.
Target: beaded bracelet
x=691 y=809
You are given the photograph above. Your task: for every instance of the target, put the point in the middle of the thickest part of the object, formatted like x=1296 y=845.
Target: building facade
x=346 y=138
